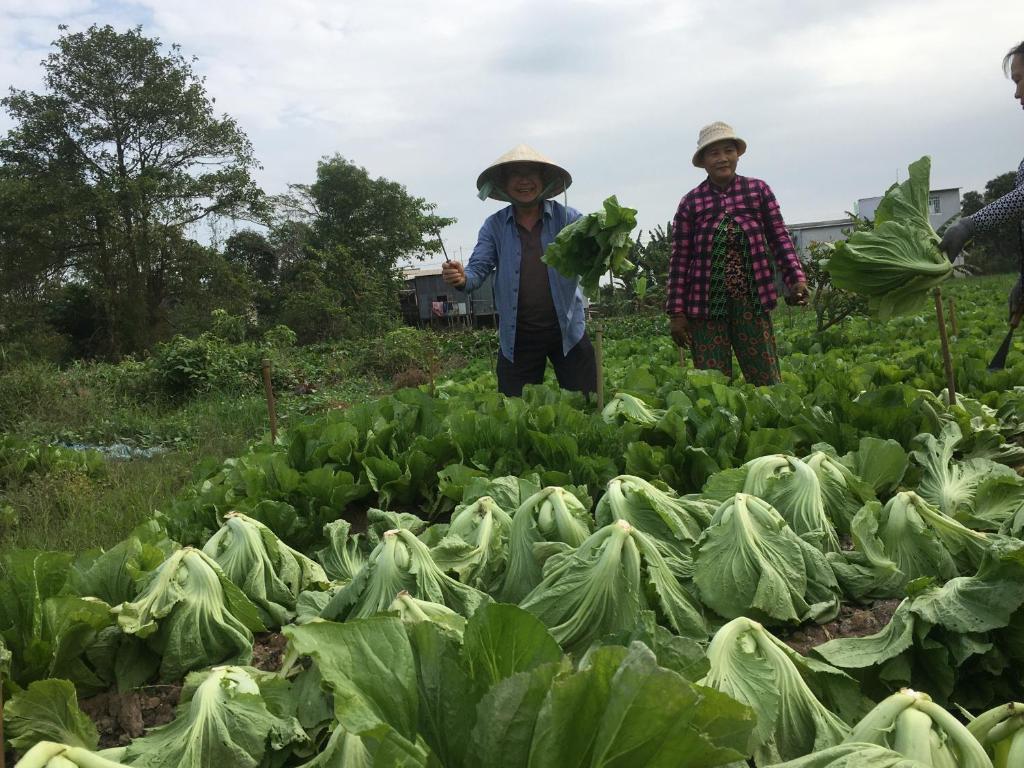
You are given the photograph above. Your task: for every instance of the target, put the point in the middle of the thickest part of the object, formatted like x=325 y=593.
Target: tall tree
x=999 y=249
x=125 y=140
x=341 y=241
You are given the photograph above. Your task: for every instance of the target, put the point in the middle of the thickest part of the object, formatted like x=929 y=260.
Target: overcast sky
x=833 y=98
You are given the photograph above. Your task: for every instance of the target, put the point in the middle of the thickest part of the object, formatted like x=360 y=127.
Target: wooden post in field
x=947 y=360
x=268 y=387
x=682 y=357
x=952 y=316
x=3 y=759
x=599 y=360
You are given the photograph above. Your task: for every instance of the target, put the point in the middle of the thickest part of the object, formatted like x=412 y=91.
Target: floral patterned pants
x=744 y=330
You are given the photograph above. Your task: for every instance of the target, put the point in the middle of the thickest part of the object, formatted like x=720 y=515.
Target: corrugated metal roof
x=410 y=273
x=817 y=224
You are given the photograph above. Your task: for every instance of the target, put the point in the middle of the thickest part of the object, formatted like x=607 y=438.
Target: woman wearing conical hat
x=540 y=312
x=728 y=238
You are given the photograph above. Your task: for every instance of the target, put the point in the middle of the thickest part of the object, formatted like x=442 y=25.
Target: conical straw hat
x=556 y=178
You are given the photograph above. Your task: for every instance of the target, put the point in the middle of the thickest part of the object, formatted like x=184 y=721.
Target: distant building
x=829 y=231
x=943 y=204
x=427 y=299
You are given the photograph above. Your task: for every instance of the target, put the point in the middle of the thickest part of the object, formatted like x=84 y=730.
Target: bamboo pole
x=268 y=387
x=3 y=746
x=947 y=359
x=952 y=316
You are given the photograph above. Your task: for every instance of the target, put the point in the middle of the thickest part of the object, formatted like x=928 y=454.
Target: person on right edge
x=1008 y=208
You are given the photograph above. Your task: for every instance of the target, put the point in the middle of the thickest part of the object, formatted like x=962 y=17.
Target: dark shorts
x=575 y=371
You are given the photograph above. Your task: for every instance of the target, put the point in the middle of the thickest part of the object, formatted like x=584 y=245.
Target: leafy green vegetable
x=593 y=245
x=401 y=562
x=952 y=485
x=411 y=610
x=920 y=539
x=940 y=628
x=222 y=720
x=621 y=709
x=268 y=571
x=912 y=724
x=855 y=755
x=1001 y=732
x=47 y=633
x=749 y=562
x=898 y=262
x=674 y=521
x=475 y=546
x=626 y=407
x=787 y=484
x=49 y=754
x=342 y=557
x=753 y=667
x=603 y=586
x=551 y=516
x=880 y=463
x=842 y=491
x=191 y=615
x=48 y=711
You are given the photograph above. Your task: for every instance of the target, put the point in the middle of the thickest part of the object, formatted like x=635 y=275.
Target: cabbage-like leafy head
x=549 y=520
x=676 y=521
x=267 y=570
x=412 y=610
x=601 y=587
x=753 y=667
x=400 y=562
x=749 y=562
x=475 y=546
x=192 y=615
x=912 y=724
x=922 y=541
x=626 y=407
x=225 y=721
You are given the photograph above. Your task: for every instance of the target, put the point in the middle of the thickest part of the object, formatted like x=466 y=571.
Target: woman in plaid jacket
x=727 y=238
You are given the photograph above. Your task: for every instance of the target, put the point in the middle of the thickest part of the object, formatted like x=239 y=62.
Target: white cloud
x=834 y=97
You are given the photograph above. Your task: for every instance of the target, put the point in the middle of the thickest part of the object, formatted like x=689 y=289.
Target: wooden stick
x=947 y=360
x=599 y=359
x=682 y=357
x=952 y=316
x=3 y=747
x=268 y=387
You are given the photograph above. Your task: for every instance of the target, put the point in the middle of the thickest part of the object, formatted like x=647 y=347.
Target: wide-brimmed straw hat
x=556 y=179
x=717 y=131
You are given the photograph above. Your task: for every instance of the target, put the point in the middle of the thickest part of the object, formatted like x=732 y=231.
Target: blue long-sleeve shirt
x=499 y=249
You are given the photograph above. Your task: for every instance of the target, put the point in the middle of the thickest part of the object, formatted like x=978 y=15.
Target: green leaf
x=225 y=722
x=369 y=665
x=593 y=245
x=502 y=640
x=48 y=711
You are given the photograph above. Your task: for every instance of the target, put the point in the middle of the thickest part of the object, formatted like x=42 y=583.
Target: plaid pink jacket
x=753 y=206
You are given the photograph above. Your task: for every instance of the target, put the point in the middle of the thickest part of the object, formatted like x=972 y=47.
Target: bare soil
x=852 y=621
x=121 y=717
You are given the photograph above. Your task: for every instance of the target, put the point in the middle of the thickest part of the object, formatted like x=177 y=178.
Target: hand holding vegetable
x=798 y=296
x=956 y=238
x=679 y=327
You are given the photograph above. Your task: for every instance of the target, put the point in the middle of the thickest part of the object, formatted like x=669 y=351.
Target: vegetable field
x=824 y=573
